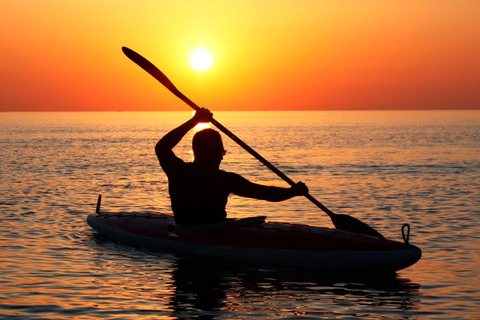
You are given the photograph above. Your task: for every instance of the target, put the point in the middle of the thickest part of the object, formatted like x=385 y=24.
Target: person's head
x=207 y=148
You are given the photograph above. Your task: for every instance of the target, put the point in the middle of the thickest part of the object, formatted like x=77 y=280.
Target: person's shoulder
x=176 y=166
x=235 y=182
x=232 y=175
x=228 y=173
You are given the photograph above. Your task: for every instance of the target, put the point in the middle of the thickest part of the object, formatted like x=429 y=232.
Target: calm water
x=384 y=168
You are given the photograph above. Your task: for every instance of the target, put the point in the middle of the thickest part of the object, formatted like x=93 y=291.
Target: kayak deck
x=253 y=239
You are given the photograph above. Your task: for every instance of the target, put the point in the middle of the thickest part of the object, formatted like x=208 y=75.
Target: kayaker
x=199 y=190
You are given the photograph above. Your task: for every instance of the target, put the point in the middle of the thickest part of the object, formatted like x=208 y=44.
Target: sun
x=201 y=59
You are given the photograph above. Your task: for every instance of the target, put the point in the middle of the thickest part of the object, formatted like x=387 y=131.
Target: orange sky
x=59 y=55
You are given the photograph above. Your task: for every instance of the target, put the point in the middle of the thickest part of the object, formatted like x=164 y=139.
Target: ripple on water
x=385 y=169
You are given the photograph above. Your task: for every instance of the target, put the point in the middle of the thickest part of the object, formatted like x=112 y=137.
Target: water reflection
x=206 y=288
x=200 y=290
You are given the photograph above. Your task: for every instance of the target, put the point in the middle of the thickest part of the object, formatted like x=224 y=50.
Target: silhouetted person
x=199 y=190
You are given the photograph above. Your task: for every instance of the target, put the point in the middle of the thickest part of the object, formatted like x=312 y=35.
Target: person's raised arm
x=164 y=147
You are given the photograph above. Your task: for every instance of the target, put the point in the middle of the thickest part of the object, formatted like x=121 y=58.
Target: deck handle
x=406 y=236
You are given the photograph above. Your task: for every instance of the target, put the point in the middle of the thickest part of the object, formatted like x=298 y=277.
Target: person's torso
x=199 y=196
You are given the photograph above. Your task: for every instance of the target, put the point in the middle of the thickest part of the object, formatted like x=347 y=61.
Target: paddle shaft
x=341 y=221
x=169 y=85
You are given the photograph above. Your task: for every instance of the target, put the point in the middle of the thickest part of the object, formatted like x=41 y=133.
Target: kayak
x=255 y=240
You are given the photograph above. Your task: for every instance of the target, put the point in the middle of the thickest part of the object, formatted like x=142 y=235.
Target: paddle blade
x=350 y=224
x=157 y=74
x=150 y=68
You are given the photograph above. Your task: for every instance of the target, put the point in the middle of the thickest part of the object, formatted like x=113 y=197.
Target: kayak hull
x=253 y=240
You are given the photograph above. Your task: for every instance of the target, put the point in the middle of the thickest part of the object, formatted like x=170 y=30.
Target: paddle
x=340 y=221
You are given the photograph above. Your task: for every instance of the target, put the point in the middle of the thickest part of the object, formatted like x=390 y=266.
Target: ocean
x=385 y=168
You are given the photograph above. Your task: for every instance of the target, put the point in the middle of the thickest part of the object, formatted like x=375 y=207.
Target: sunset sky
x=59 y=55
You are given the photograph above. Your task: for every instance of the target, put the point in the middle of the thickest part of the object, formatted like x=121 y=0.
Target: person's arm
x=269 y=193
x=164 y=147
